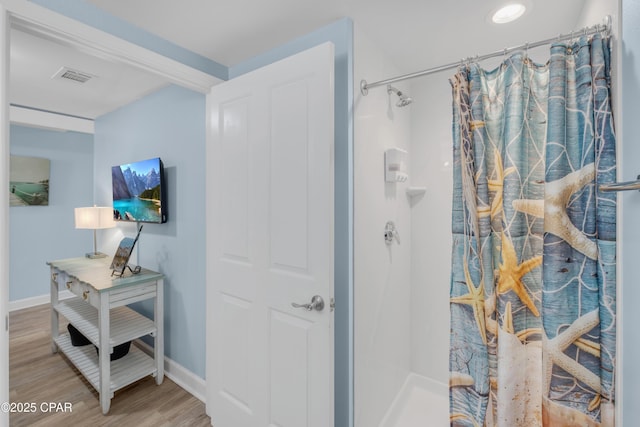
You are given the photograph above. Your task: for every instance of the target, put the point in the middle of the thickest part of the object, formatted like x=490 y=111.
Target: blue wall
x=169 y=124
x=629 y=159
x=340 y=33
x=43 y=233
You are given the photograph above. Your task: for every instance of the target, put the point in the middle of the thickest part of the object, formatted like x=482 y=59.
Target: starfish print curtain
x=533 y=257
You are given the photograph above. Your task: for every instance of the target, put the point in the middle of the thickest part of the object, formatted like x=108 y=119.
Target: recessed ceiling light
x=508 y=13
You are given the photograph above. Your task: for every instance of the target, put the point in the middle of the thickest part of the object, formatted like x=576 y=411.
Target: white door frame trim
x=51 y=121
x=35 y=19
x=38 y=20
x=4 y=215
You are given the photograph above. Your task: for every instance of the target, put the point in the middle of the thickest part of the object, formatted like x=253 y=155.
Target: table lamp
x=94 y=218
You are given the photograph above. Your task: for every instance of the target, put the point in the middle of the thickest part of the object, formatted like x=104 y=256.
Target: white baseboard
x=180 y=375
x=39 y=300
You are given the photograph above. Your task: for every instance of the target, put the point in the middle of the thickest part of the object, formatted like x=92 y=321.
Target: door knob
x=317 y=303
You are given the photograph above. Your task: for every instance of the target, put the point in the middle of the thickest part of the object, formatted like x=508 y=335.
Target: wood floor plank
x=36 y=375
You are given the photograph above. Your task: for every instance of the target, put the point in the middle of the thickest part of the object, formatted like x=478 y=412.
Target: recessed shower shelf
x=416 y=191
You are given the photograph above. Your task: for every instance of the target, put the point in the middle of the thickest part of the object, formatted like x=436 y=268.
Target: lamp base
x=94 y=255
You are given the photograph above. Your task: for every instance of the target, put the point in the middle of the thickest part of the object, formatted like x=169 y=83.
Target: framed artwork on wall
x=29 y=181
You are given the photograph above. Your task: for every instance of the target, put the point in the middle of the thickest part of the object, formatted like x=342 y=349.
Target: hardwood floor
x=40 y=377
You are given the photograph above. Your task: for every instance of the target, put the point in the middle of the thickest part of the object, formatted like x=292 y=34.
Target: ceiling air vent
x=69 y=74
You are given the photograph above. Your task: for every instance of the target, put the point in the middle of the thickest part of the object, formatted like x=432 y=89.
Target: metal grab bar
x=621 y=186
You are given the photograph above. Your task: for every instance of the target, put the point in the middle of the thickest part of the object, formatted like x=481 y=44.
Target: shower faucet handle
x=390 y=233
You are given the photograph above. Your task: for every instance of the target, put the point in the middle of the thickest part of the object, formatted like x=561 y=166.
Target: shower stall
x=402 y=238
x=401 y=292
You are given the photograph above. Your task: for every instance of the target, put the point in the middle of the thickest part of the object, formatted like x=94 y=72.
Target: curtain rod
x=605 y=28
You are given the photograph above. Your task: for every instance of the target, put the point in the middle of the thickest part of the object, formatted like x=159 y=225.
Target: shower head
x=404 y=99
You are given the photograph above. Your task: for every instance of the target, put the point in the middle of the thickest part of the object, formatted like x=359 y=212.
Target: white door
x=270 y=244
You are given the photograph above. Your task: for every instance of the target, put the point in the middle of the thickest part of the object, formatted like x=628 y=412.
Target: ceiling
x=415 y=34
x=35 y=61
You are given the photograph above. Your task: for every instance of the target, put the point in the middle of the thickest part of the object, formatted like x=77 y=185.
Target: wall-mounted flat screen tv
x=139 y=191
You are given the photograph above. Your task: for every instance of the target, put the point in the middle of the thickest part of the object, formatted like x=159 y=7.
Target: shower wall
x=382 y=285
x=431 y=167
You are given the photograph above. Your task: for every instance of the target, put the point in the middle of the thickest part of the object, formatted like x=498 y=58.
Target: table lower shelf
x=124 y=371
x=125 y=324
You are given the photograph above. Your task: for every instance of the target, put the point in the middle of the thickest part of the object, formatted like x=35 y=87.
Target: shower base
x=420 y=402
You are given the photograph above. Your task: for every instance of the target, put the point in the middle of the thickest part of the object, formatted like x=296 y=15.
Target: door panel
x=235 y=179
x=289 y=180
x=234 y=354
x=270 y=244
x=288 y=369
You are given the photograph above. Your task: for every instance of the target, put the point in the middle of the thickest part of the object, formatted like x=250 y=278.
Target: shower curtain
x=533 y=259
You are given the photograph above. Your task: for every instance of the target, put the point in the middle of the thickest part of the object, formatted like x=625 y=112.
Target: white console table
x=99 y=312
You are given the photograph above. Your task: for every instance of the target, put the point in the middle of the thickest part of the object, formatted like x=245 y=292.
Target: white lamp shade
x=94 y=218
